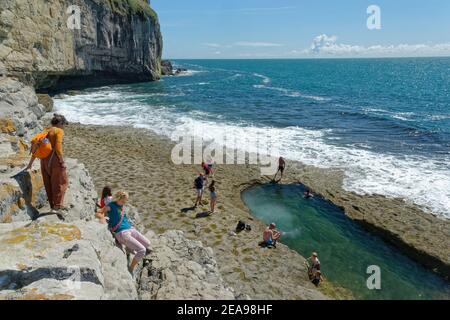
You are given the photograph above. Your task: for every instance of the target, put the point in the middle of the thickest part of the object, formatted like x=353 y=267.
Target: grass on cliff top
x=133 y=7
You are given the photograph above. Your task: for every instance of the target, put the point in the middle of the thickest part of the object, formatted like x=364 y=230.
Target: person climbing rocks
x=53 y=168
x=313 y=265
x=123 y=231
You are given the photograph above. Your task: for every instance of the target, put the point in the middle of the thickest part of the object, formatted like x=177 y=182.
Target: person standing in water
x=53 y=168
x=281 y=167
x=123 y=231
x=308 y=194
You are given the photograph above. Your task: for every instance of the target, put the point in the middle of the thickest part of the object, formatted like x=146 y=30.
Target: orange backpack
x=41 y=147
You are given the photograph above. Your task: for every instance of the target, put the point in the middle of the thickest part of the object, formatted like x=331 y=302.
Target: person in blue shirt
x=123 y=230
x=199 y=184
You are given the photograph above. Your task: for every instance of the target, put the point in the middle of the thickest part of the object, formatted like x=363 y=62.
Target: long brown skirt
x=55 y=181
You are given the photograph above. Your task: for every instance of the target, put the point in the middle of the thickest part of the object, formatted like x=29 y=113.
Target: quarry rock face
x=60 y=44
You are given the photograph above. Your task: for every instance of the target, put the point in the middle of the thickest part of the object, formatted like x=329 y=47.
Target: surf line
x=194 y=311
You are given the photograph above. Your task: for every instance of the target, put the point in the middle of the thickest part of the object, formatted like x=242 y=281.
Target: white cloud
x=324 y=45
x=257 y=44
x=212 y=45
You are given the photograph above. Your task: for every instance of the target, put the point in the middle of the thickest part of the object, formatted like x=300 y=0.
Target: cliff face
x=42 y=46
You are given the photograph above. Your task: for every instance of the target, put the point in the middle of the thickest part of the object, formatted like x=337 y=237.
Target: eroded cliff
x=45 y=45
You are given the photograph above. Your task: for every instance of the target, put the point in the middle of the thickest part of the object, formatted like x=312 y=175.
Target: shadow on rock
x=18 y=279
x=23 y=178
x=203 y=214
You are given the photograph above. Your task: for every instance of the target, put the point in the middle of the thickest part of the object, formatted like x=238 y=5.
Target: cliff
x=44 y=45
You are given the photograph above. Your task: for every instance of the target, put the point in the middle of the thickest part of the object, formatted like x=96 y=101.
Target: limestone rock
x=74 y=261
x=179 y=268
x=81 y=195
x=19 y=108
x=166 y=68
x=46 y=101
x=44 y=45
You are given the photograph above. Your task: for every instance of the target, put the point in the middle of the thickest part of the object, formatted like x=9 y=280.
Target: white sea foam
x=404 y=116
x=290 y=93
x=265 y=79
x=286 y=92
x=189 y=73
x=419 y=180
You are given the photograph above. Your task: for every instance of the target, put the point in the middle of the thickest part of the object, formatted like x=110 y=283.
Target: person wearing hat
x=271 y=235
x=313 y=265
x=54 y=171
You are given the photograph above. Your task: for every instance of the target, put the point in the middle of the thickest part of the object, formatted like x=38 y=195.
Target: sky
x=233 y=29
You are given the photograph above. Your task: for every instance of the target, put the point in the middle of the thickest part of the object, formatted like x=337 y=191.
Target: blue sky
x=302 y=28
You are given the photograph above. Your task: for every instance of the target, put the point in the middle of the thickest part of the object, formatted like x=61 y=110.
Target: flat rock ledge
x=45 y=258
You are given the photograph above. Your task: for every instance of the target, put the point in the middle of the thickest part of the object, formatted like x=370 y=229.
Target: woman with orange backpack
x=47 y=146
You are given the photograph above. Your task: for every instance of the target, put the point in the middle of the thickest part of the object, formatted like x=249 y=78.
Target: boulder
x=46 y=101
x=45 y=259
x=20 y=110
x=178 y=268
x=166 y=68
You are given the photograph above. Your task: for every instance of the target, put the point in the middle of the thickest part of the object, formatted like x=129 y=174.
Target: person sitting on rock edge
x=271 y=235
x=123 y=231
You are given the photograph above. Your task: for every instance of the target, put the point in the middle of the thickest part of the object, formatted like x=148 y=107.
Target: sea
x=384 y=122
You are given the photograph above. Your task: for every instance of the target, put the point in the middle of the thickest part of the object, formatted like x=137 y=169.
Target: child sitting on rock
x=104 y=201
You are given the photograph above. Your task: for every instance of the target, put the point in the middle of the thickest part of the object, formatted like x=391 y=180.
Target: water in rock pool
x=345 y=248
